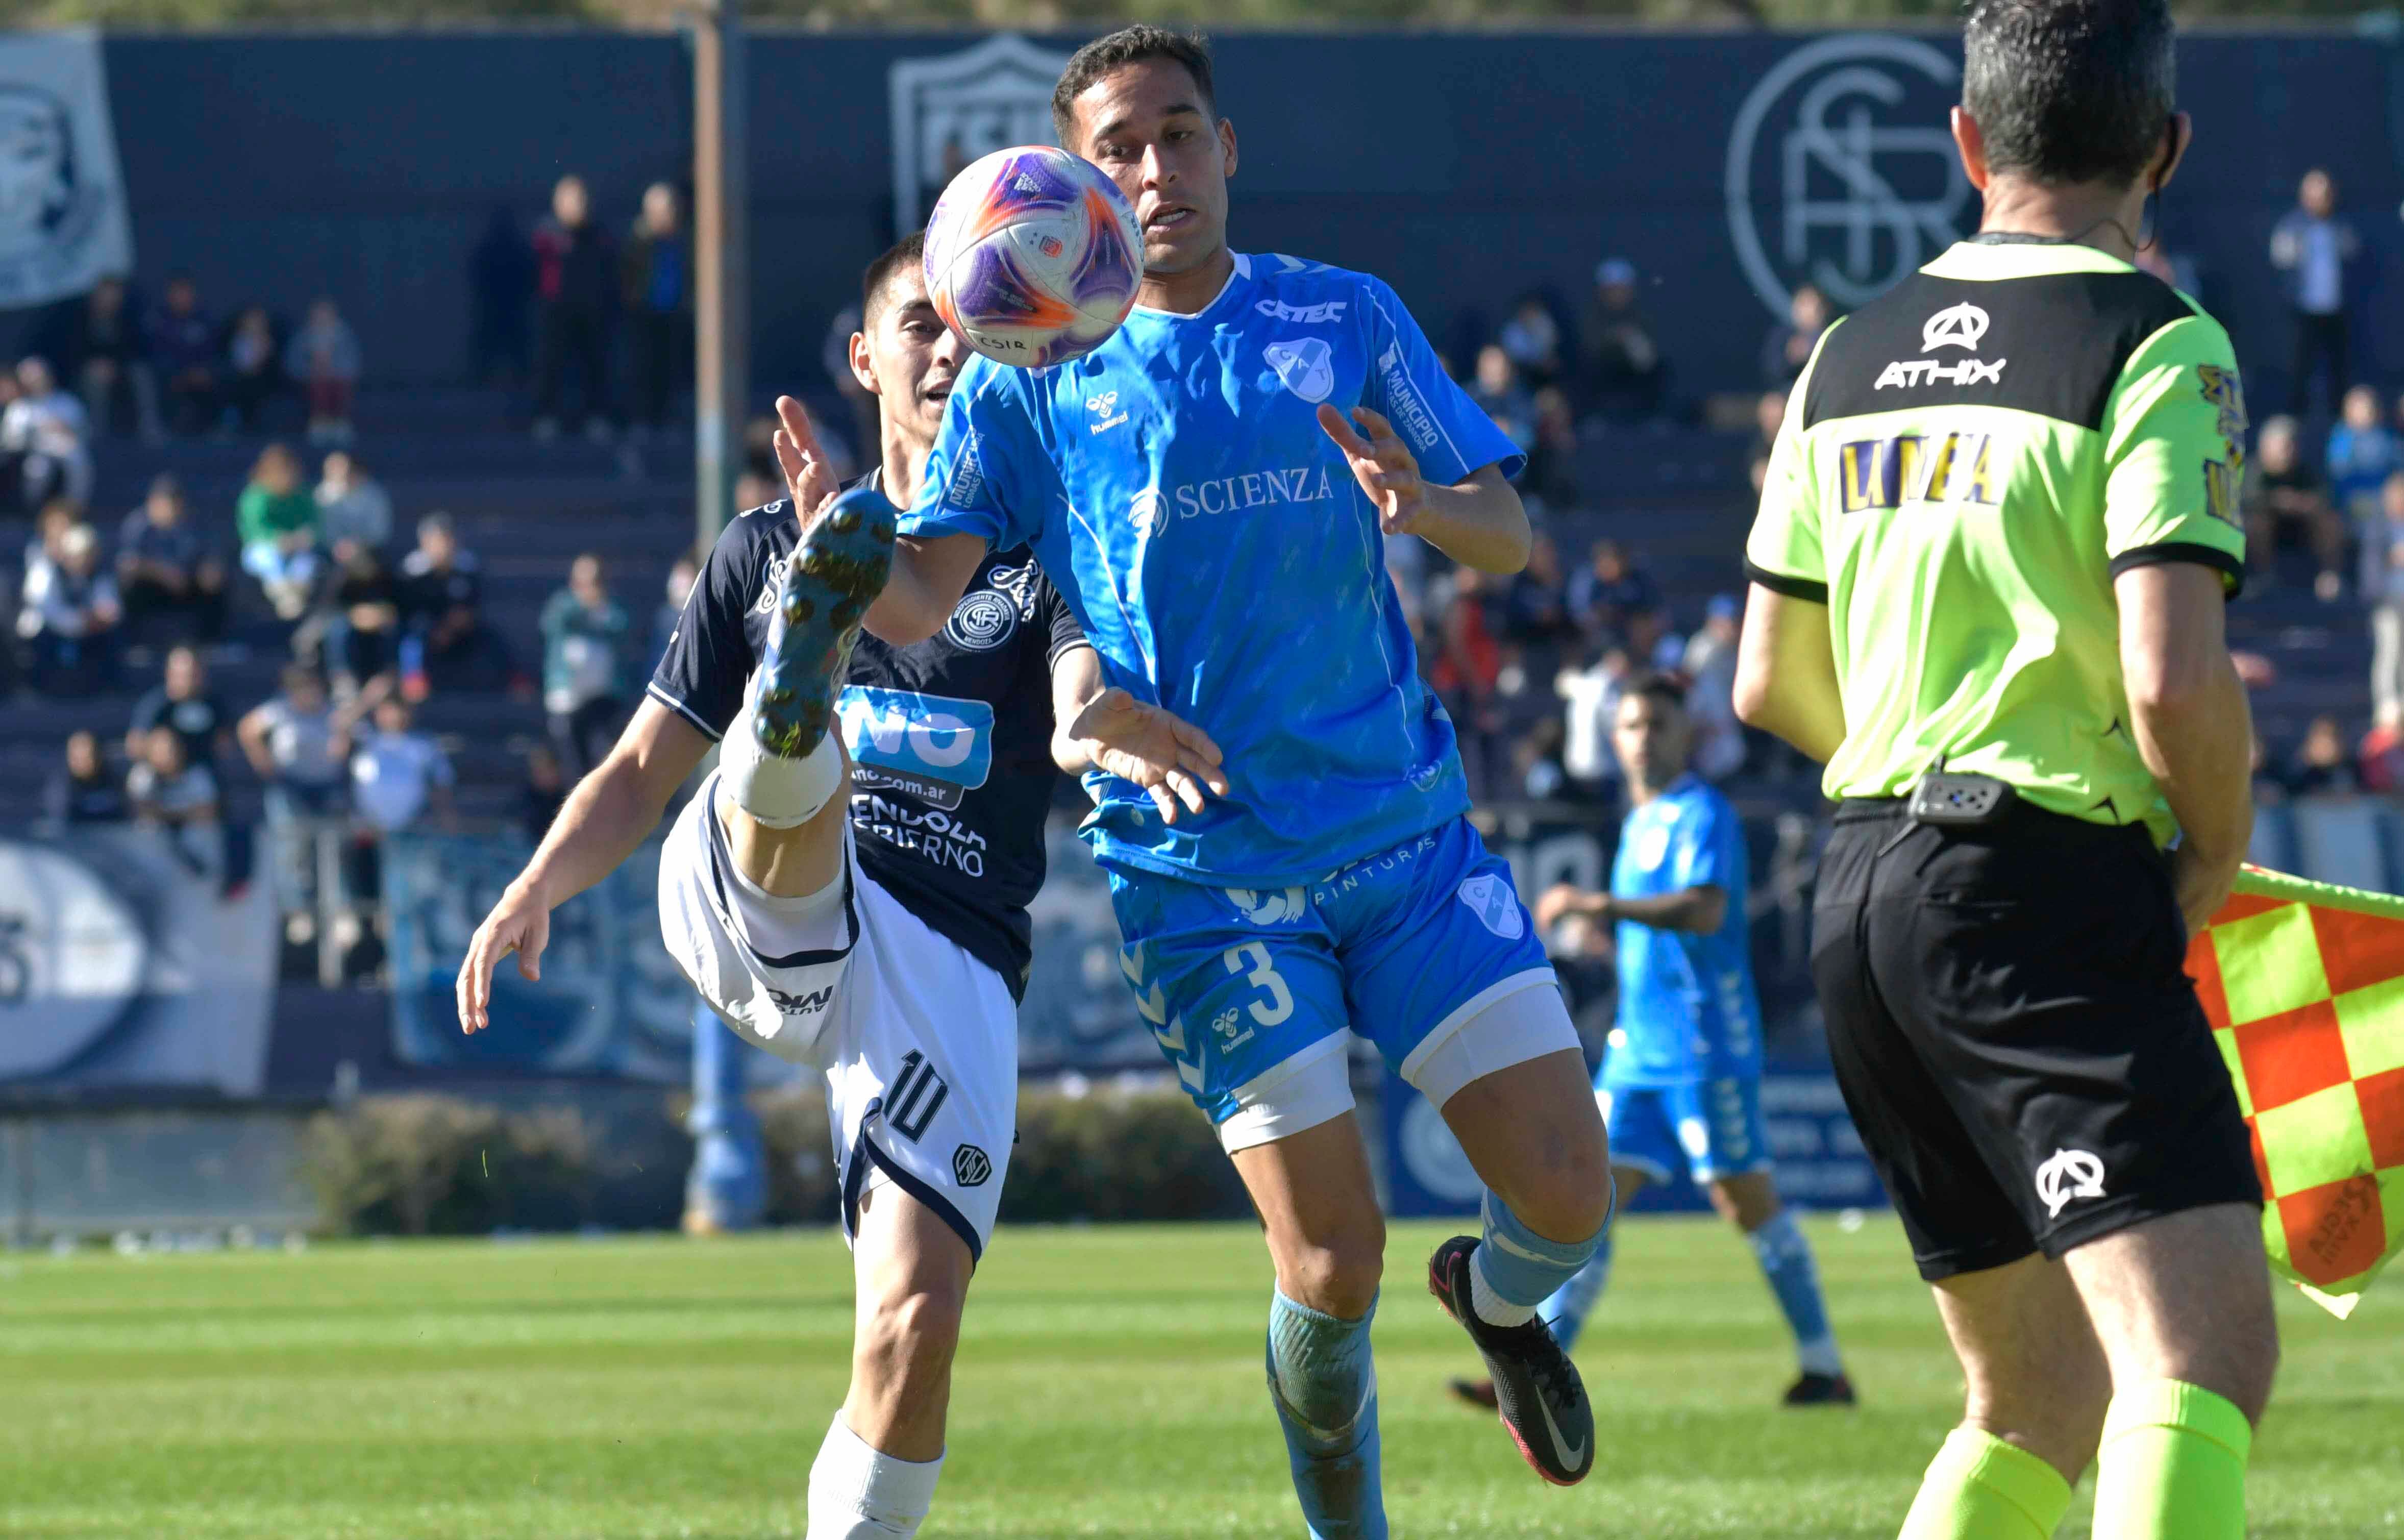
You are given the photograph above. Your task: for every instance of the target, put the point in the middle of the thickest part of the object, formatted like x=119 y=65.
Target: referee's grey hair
x=2070 y=91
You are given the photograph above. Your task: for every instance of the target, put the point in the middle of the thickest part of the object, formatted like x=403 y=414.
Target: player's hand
x=2201 y=884
x=803 y=460
x=1560 y=900
x=1384 y=468
x=520 y=923
x=1169 y=757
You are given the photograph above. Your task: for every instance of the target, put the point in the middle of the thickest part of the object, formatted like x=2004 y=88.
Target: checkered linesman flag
x=2304 y=984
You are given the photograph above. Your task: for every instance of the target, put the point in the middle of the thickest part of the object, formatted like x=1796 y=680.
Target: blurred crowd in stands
x=381 y=614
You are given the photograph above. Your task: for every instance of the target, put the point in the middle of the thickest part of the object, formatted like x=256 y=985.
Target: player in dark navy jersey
x=880 y=936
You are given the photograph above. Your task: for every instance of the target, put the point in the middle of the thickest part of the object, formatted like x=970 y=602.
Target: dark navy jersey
x=950 y=739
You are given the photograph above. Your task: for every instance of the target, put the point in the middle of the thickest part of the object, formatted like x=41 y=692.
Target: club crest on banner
x=949 y=110
x=62 y=221
x=1841 y=172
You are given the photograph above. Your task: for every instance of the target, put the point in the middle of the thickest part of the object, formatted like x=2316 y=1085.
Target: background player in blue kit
x=1682 y=1083
x=1208 y=489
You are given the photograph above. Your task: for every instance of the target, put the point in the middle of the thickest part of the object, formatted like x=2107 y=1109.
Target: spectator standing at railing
x=322 y=359
x=1536 y=612
x=1708 y=662
x=398 y=774
x=352 y=508
x=107 y=352
x=656 y=276
x=1466 y=673
x=360 y=649
x=183 y=704
x=67 y=617
x=1788 y=347
x=543 y=794
x=45 y=427
x=2314 y=247
x=300 y=747
x=277 y=520
x=184 y=340
x=576 y=295
x=1550 y=482
x=2280 y=490
x=1591 y=704
x=2362 y=454
x=168 y=569
x=585 y=635
x=2382 y=590
x=1498 y=394
x=82 y=790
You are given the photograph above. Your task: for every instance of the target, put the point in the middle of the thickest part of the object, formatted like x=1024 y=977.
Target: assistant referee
x=1989 y=571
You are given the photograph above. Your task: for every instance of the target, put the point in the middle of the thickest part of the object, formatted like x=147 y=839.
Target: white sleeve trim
x=681 y=709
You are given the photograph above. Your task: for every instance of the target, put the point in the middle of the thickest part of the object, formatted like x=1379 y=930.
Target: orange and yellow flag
x=2304 y=984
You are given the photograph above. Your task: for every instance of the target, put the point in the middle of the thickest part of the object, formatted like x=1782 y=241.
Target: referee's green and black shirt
x=1966 y=464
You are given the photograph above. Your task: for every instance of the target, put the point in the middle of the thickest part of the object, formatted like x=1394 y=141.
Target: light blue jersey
x=1177 y=488
x=1688 y=1011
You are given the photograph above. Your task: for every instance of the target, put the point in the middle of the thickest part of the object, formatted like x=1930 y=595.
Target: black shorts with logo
x=2016 y=1035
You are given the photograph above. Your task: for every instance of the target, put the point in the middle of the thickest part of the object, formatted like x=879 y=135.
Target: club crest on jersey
x=1960 y=325
x=1497 y=907
x=982 y=620
x=1277 y=908
x=1306 y=366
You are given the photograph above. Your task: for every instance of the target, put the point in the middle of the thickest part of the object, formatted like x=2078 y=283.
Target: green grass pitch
x=1110 y=1384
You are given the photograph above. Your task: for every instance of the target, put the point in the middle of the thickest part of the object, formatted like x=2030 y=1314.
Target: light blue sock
x=1515 y=1269
x=1326 y=1390
x=1575 y=1300
x=1785 y=1258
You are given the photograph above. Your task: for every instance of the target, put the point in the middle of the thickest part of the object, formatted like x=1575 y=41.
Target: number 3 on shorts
x=1280 y=1003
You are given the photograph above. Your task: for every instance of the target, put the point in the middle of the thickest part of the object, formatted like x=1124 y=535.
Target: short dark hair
x=907 y=252
x=1663 y=689
x=2070 y=91
x=1131 y=46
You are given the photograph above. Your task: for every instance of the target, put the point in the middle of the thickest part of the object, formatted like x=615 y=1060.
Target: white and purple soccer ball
x=1033 y=256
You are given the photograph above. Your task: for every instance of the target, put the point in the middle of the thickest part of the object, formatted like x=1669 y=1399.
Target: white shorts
x=918 y=1041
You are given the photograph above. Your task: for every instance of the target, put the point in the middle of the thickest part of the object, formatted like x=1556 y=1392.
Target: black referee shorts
x=2016 y=1035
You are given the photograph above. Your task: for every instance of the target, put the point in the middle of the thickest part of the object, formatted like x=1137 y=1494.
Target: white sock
x=1492 y=1308
x=857 y=1493
x=778 y=793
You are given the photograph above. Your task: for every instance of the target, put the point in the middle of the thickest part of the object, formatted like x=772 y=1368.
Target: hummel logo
x=1100 y=407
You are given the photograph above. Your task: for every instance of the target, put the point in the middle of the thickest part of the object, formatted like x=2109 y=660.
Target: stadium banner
x=610 y=1002
x=62 y=216
x=2303 y=983
x=127 y=963
x=1820 y=1160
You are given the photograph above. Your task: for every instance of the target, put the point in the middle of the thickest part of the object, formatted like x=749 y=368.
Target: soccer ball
x=1033 y=256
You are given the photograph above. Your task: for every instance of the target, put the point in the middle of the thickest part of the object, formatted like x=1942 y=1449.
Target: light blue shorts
x=1245 y=988
x=1707 y=1129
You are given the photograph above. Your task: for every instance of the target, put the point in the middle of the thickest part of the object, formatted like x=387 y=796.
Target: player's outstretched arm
x=929 y=574
x=1787 y=673
x=1699 y=909
x=1478 y=522
x=609 y=813
x=1112 y=731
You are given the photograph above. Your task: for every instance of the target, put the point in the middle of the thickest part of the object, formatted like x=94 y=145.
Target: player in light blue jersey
x=1211 y=490
x=1682 y=1083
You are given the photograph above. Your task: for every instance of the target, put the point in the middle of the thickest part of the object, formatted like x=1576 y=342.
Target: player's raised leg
x=1532 y=1130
